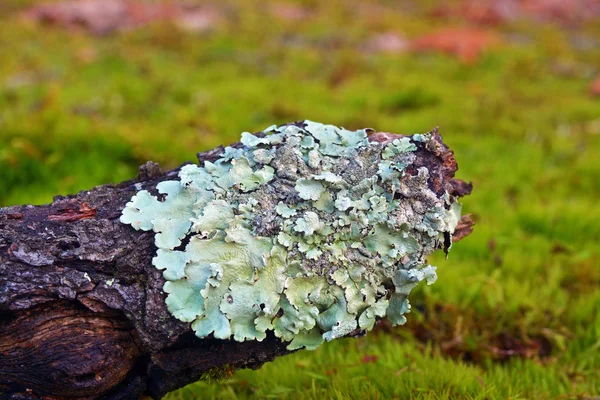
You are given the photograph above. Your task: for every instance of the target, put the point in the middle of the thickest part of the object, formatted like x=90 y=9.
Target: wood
x=82 y=313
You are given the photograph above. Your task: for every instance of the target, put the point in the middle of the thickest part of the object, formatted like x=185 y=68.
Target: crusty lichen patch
x=309 y=230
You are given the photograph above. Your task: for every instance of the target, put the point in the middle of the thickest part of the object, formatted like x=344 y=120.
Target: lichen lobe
x=308 y=230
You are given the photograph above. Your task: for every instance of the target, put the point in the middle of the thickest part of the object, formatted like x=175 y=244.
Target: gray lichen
x=308 y=230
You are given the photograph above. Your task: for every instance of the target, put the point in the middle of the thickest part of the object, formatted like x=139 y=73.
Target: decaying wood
x=82 y=313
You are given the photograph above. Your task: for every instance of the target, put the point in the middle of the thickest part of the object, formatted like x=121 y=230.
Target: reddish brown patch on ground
x=465 y=43
x=480 y=12
x=289 y=12
x=102 y=17
x=492 y=12
x=595 y=87
x=198 y=19
x=391 y=43
x=563 y=11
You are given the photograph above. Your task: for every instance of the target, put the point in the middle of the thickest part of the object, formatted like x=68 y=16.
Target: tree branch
x=82 y=311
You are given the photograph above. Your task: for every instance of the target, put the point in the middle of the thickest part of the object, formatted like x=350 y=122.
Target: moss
x=217 y=375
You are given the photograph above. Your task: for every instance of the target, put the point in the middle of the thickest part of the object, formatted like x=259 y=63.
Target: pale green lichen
x=307 y=230
x=309 y=189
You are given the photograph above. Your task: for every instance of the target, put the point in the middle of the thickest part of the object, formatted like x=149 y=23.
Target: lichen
x=308 y=230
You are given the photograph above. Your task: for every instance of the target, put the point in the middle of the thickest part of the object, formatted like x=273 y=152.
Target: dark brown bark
x=82 y=312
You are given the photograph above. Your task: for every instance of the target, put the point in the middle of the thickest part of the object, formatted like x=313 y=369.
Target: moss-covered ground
x=516 y=309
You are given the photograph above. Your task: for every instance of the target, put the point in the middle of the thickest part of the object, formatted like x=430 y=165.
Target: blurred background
x=91 y=89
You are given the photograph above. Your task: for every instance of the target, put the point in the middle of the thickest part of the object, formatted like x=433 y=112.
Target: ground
x=515 y=91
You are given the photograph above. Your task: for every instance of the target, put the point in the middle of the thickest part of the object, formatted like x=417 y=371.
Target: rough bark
x=82 y=312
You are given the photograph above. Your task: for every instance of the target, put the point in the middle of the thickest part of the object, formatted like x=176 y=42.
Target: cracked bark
x=82 y=312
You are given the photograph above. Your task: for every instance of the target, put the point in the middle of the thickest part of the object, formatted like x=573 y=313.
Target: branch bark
x=82 y=312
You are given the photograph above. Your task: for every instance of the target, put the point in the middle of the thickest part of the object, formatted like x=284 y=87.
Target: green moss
x=217 y=375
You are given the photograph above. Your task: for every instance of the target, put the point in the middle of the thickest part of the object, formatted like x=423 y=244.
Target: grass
x=516 y=310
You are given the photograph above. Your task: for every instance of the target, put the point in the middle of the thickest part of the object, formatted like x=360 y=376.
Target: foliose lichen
x=307 y=230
